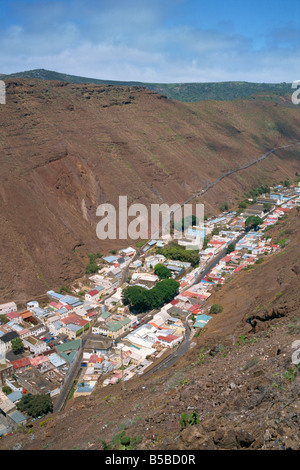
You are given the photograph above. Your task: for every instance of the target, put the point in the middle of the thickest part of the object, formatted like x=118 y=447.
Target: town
x=91 y=328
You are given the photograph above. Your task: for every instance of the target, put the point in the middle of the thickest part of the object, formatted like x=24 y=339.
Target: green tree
x=141 y=299
x=267 y=206
x=162 y=271
x=17 y=345
x=253 y=221
x=216 y=308
x=224 y=207
x=230 y=248
x=35 y=405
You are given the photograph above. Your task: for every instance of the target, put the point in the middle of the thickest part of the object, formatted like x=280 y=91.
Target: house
x=5 y=341
x=6 y=370
x=8 y=308
x=16 y=419
x=73 y=326
x=98 y=345
x=169 y=340
x=255 y=209
x=32 y=304
x=201 y=321
x=6 y=405
x=93 y=295
x=34 y=345
x=128 y=251
x=69 y=350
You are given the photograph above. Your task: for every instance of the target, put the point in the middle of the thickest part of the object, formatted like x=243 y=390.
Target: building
x=255 y=209
x=34 y=345
x=92 y=295
x=5 y=341
x=8 y=308
x=6 y=370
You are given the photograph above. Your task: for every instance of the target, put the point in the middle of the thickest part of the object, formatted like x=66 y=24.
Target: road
x=184 y=346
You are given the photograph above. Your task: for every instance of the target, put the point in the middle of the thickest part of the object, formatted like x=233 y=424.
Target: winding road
x=185 y=344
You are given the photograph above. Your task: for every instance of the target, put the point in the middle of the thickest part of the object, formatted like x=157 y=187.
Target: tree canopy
x=162 y=271
x=253 y=221
x=141 y=299
x=17 y=345
x=35 y=405
x=176 y=252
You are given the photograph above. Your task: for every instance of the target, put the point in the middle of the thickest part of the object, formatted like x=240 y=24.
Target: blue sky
x=155 y=40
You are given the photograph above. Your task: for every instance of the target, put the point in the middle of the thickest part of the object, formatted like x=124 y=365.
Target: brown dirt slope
x=66 y=148
x=238 y=378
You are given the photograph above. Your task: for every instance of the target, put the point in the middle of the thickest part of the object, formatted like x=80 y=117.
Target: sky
x=154 y=41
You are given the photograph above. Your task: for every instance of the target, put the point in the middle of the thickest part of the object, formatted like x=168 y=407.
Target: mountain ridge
x=187 y=92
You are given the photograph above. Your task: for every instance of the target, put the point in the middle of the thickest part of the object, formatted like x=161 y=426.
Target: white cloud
x=131 y=41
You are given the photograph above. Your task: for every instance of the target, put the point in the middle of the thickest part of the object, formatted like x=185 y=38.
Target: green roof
x=73 y=345
x=117 y=325
x=105 y=315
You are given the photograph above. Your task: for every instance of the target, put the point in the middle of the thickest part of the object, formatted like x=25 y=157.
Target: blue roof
x=201 y=320
x=110 y=259
x=17 y=417
x=15 y=396
x=54 y=294
x=62 y=310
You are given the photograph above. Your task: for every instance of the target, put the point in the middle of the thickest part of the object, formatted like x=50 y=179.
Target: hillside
x=239 y=380
x=66 y=148
x=188 y=92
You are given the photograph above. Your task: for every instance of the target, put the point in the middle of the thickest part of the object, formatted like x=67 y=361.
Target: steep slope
x=240 y=381
x=66 y=148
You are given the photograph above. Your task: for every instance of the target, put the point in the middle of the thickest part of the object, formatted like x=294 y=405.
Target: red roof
x=18 y=363
x=13 y=315
x=93 y=358
x=216 y=242
x=194 y=307
x=168 y=338
x=239 y=268
x=56 y=305
x=174 y=302
x=75 y=319
x=92 y=314
x=93 y=292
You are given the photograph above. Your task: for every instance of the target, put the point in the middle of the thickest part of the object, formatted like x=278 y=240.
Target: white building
x=8 y=308
x=34 y=345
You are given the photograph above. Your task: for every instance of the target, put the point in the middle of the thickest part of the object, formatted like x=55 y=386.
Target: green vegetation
x=189 y=420
x=141 y=299
x=65 y=290
x=7 y=390
x=3 y=319
x=230 y=248
x=253 y=222
x=122 y=442
x=92 y=267
x=17 y=346
x=224 y=207
x=35 y=405
x=141 y=243
x=176 y=252
x=216 y=308
x=162 y=271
